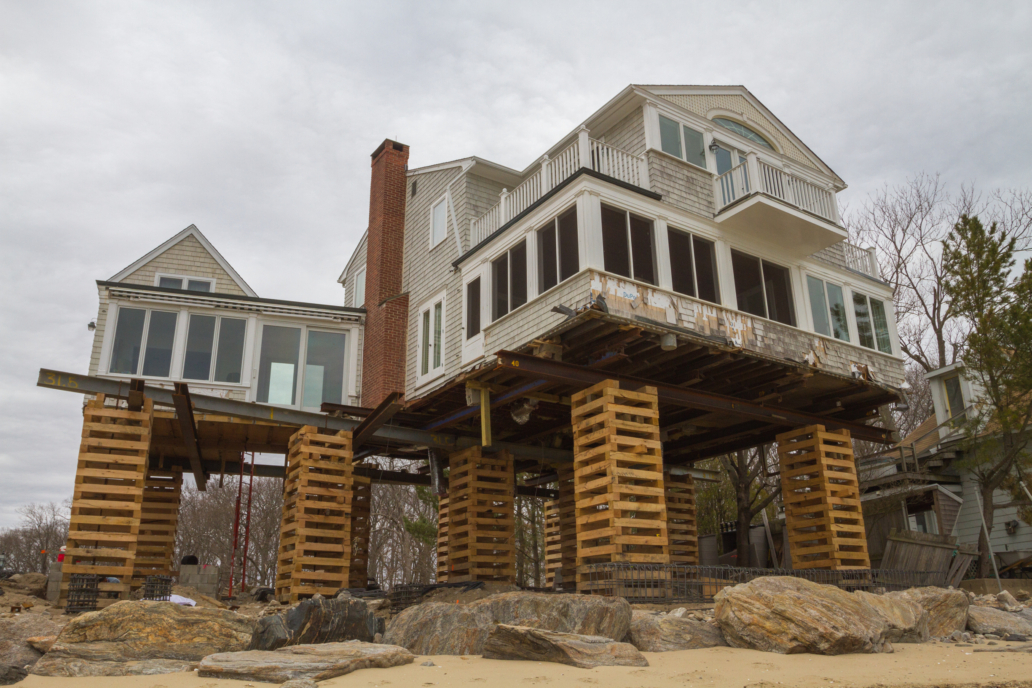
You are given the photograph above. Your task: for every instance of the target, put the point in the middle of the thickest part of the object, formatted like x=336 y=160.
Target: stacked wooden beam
x=822 y=500
x=682 y=528
x=442 y=540
x=160 y=514
x=481 y=524
x=561 y=533
x=621 y=514
x=108 y=497
x=361 y=501
x=315 y=536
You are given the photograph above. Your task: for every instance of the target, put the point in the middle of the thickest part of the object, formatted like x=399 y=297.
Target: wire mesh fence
x=664 y=583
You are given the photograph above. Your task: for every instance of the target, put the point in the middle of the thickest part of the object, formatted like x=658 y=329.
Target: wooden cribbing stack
x=561 y=533
x=682 y=527
x=361 y=502
x=442 y=540
x=621 y=511
x=481 y=523
x=822 y=500
x=315 y=536
x=158 y=518
x=106 y=504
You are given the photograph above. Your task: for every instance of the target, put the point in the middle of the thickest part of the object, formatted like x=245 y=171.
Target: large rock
x=137 y=638
x=315 y=662
x=436 y=628
x=990 y=620
x=537 y=645
x=32 y=583
x=664 y=633
x=907 y=620
x=317 y=621
x=791 y=615
x=17 y=654
x=947 y=608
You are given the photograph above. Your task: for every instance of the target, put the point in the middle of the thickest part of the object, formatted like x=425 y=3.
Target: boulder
x=657 y=633
x=317 y=621
x=907 y=620
x=16 y=652
x=1007 y=602
x=10 y=675
x=791 y=615
x=436 y=628
x=139 y=638
x=997 y=622
x=32 y=583
x=313 y=662
x=537 y=645
x=41 y=643
x=947 y=608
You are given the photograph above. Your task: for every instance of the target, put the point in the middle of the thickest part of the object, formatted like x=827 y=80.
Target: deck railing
x=863 y=260
x=776 y=182
x=584 y=152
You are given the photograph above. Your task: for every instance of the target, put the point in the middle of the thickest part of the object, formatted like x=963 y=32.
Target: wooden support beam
x=383 y=412
x=187 y=426
x=485 y=417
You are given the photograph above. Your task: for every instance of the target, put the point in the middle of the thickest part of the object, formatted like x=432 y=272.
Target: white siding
x=969 y=524
x=190 y=258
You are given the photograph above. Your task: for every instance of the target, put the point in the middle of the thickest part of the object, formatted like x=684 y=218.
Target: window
x=192 y=283
x=473 y=308
x=431 y=339
x=509 y=281
x=763 y=288
x=125 y=354
x=693 y=265
x=414 y=182
x=438 y=222
x=828 y=306
x=324 y=369
x=954 y=397
x=628 y=245
x=358 y=301
x=278 y=364
x=743 y=131
x=201 y=344
x=872 y=325
x=130 y=340
x=691 y=148
x=924 y=522
x=558 y=251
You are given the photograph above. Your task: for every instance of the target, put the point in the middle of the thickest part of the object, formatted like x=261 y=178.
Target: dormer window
x=954 y=397
x=743 y=131
x=183 y=282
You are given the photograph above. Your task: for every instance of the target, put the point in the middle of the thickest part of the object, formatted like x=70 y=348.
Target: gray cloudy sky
x=122 y=123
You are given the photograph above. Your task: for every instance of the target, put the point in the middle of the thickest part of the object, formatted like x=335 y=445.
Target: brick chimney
x=383 y=362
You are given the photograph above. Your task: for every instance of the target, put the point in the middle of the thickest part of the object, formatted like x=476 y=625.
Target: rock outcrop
x=664 y=632
x=17 y=653
x=998 y=622
x=907 y=620
x=435 y=628
x=947 y=608
x=139 y=638
x=537 y=645
x=317 y=621
x=313 y=662
x=790 y=615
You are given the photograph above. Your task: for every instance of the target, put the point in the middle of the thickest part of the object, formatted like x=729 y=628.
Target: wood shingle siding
x=190 y=258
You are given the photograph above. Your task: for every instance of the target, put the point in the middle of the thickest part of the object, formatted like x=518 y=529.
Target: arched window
x=743 y=130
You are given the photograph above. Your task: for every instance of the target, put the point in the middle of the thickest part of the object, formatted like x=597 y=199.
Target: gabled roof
x=196 y=233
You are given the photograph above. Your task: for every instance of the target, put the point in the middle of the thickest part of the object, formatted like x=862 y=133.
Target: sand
x=911 y=665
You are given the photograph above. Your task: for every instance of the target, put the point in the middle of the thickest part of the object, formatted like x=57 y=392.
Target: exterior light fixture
x=92 y=327
x=713 y=145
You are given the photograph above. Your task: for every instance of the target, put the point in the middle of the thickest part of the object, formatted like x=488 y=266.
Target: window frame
x=443 y=199
x=360 y=273
x=630 y=245
x=827 y=307
x=870 y=314
x=692 y=237
x=302 y=371
x=432 y=373
x=350 y=336
x=174 y=364
x=763 y=285
x=507 y=253
x=539 y=259
x=214 y=348
x=683 y=141
x=186 y=280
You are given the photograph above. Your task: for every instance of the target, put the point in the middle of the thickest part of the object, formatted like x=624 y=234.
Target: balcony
x=584 y=152
x=758 y=200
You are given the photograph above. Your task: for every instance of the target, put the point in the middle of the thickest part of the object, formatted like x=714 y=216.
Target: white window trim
x=350 y=362
x=177 y=342
x=360 y=274
x=179 y=358
x=209 y=280
x=707 y=138
x=433 y=373
x=473 y=348
x=442 y=199
x=890 y=322
x=846 y=296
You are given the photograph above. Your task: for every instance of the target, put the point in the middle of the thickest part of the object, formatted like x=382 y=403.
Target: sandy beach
x=911 y=665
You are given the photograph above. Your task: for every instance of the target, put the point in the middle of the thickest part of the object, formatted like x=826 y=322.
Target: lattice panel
x=621 y=511
x=481 y=526
x=158 y=519
x=561 y=533
x=442 y=540
x=108 y=497
x=682 y=528
x=822 y=500
x=361 y=501
x=315 y=536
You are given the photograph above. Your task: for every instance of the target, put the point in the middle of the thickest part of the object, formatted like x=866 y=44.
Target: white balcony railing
x=773 y=181
x=863 y=260
x=585 y=152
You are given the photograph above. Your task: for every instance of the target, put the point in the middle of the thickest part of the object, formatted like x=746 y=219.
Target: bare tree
x=33 y=545
x=756 y=485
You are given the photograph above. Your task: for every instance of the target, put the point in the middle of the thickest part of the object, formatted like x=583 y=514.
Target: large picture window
x=558 y=251
x=693 y=265
x=828 y=307
x=509 y=281
x=151 y=332
x=763 y=289
x=872 y=324
x=207 y=353
x=628 y=245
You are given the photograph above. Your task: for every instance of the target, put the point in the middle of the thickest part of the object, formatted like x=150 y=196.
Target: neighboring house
x=941 y=494
x=182 y=313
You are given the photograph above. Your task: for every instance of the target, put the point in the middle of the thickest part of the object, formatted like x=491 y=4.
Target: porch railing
x=584 y=152
x=863 y=260
x=738 y=182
